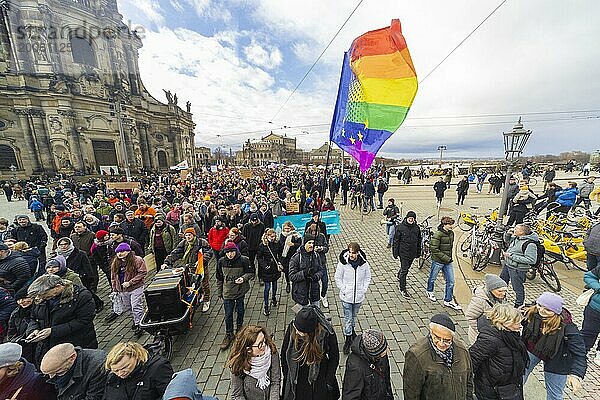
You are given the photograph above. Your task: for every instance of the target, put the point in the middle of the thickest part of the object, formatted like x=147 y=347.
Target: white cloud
x=266 y=58
x=150 y=10
x=208 y=9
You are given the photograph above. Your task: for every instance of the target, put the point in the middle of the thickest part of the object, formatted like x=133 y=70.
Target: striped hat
x=373 y=342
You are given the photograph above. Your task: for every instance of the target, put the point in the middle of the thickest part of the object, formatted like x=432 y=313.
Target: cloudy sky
x=238 y=61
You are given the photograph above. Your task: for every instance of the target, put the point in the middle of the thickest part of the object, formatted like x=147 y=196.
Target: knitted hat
x=254 y=217
x=10 y=353
x=190 y=230
x=307 y=238
x=443 y=320
x=373 y=342
x=3 y=246
x=101 y=234
x=306 y=320
x=411 y=214
x=122 y=247
x=116 y=229
x=315 y=213
x=22 y=294
x=230 y=246
x=493 y=282
x=551 y=301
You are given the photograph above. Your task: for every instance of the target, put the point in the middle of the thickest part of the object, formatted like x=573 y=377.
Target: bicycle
x=426 y=234
x=355 y=199
x=546 y=271
x=479 y=246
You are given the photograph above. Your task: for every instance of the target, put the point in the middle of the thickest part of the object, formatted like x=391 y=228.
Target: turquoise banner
x=331 y=219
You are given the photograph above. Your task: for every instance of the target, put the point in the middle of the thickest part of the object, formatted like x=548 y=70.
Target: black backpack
x=541 y=250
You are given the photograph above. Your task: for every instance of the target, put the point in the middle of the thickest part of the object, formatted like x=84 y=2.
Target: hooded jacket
x=407 y=240
x=183 y=385
x=366 y=378
x=305 y=272
x=352 y=282
x=253 y=234
x=65 y=272
x=567 y=197
x=518 y=259
x=79 y=262
x=228 y=270
x=481 y=301
x=147 y=381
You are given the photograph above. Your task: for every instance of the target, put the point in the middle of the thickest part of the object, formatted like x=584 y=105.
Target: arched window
x=162 y=159
x=82 y=51
x=7 y=157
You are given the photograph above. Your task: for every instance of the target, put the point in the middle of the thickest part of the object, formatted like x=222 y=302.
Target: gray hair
x=43 y=284
x=434 y=325
x=524 y=228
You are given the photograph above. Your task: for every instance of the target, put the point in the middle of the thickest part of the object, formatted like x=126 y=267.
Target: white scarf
x=259 y=369
x=288 y=241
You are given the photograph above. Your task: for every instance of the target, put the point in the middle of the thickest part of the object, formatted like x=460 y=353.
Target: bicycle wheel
x=572 y=264
x=465 y=244
x=549 y=276
x=425 y=256
x=532 y=181
x=353 y=203
x=463 y=226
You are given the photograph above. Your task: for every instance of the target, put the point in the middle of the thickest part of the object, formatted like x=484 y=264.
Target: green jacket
x=230 y=270
x=170 y=238
x=426 y=377
x=441 y=246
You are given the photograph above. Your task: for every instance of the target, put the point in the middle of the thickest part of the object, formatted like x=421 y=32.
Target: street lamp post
x=441 y=149
x=514 y=143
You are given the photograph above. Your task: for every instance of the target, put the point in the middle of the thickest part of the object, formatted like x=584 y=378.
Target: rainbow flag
x=377 y=87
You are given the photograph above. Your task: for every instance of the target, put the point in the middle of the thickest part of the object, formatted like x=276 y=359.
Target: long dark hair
x=308 y=347
x=129 y=264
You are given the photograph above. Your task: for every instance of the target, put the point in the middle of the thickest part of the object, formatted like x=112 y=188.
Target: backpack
x=541 y=250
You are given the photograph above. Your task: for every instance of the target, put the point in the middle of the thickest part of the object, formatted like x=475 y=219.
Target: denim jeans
x=592 y=261
x=380 y=198
x=555 y=383
x=324 y=281
x=517 y=279
x=229 y=305
x=448 y=272
x=391 y=231
x=369 y=202
x=590 y=328
x=350 y=313
x=267 y=289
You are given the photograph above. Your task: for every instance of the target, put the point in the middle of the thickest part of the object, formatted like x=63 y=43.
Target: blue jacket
x=567 y=197
x=592 y=280
x=369 y=189
x=36 y=205
x=183 y=384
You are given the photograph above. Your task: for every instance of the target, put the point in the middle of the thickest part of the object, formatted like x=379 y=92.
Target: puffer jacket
x=305 y=272
x=441 y=246
x=481 y=301
x=365 y=378
x=567 y=197
x=592 y=281
x=499 y=358
x=32 y=234
x=15 y=270
x=228 y=270
x=146 y=382
x=426 y=377
x=518 y=259
x=268 y=258
x=352 y=282
x=407 y=241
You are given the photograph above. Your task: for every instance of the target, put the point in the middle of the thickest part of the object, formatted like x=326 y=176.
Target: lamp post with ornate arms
x=514 y=143
x=441 y=149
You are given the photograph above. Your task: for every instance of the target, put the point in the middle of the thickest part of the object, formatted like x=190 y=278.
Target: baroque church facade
x=71 y=96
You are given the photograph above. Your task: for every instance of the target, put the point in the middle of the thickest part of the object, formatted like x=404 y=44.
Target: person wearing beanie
x=20 y=379
x=128 y=272
x=99 y=252
x=310 y=357
x=492 y=292
x=194 y=253
x=406 y=247
x=305 y=272
x=163 y=238
x=233 y=274
x=438 y=366
x=321 y=248
x=253 y=231
x=58 y=266
x=552 y=337
x=136 y=228
x=216 y=236
x=269 y=268
x=352 y=278
x=369 y=354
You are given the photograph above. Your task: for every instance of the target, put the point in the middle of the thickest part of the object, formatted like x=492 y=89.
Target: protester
x=134 y=374
x=352 y=278
x=255 y=365
x=14 y=269
x=310 y=357
x=391 y=214
x=234 y=272
x=406 y=247
x=492 y=292
x=521 y=255
x=289 y=242
x=498 y=356
x=18 y=322
x=163 y=238
x=76 y=373
x=439 y=188
x=236 y=237
x=521 y=203
x=32 y=234
x=253 y=231
x=551 y=337
x=321 y=248
x=306 y=271
x=58 y=266
x=217 y=235
x=566 y=198
x=269 y=267
x=438 y=366
x=367 y=374
x=591 y=313
x=18 y=377
x=591 y=244
x=7 y=305
x=462 y=189
x=441 y=246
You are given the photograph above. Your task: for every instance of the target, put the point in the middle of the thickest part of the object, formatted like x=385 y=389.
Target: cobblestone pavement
x=403 y=321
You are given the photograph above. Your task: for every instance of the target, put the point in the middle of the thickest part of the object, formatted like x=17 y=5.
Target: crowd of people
x=50 y=293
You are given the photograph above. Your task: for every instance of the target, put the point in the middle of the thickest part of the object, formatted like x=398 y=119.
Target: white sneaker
x=431 y=296
x=597 y=359
x=205 y=306
x=324 y=302
x=453 y=305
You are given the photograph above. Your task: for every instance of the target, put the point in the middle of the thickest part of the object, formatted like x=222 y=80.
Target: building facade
x=71 y=97
x=271 y=149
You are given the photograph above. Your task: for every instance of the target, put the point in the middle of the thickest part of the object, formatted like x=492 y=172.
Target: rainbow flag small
x=378 y=84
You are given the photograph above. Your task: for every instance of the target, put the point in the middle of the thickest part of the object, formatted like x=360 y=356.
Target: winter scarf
x=543 y=346
x=446 y=356
x=25 y=377
x=513 y=342
x=67 y=252
x=289 y=236
x=259 y=369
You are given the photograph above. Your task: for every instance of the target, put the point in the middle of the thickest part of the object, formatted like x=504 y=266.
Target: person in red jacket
x=217 y=235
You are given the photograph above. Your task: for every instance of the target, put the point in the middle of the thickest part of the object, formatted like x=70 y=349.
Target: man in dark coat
x=440 y=187
x=462 y=188
x=367 y=375
x=135 y=228
x=75 y=372
x=13 y=269
x=253 y=231
x=305 y=273
x=32 y=234
x=117 y=235
x=406 y=247
x=368 y=190
x=321 y=226
x=63 y=313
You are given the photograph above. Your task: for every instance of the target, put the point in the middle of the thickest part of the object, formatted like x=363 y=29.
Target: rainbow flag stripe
x=378 y=84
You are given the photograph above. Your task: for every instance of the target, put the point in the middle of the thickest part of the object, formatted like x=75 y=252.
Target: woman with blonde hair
x=255 y=365
x=269 y=267
x=134 y=374
x=551 y=336
x=498 y=355
x=289 y=241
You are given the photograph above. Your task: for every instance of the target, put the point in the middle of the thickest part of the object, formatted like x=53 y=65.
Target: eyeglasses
x=438 y=339
x=352 y=252
x=260 y=345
